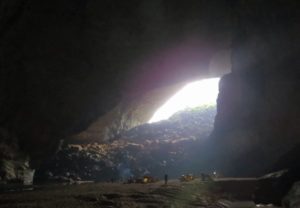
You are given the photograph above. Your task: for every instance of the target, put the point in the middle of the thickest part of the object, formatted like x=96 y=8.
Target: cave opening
x=97 y=91
x=197 y=94
x=167 y=143
x=171 y=139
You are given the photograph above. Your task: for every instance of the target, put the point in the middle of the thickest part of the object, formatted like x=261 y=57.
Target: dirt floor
x=108 y=195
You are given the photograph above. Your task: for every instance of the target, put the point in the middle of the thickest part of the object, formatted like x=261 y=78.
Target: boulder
x=273 y=187
x=292 y=199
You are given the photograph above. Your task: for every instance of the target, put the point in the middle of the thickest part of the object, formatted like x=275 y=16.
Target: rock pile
x=191 y=123
x=13 y=163
x=167 y=146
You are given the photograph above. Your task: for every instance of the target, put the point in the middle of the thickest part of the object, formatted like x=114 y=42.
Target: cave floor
x=155 y=195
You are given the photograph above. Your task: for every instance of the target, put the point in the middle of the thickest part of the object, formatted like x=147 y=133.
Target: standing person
x=166 y=179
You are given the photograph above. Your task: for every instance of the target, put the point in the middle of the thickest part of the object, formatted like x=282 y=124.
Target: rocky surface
x=274 y=187
x=292 y=199
x=64 y=64
x=12 y=161
x=155 y=195
x=116 y=195
x=258 y=104
x=126 y=115
x=170 y=146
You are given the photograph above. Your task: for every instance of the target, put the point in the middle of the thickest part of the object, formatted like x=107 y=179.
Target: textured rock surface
x=65 y=63
x=258 y=105
x=273 y=187
x=12 y=162
x=128 y=114
x=170 y=146
x=292 y=200
x=189 y=195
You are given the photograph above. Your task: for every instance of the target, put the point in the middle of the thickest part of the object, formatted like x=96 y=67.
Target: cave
x=86 y=89
x=192 y=95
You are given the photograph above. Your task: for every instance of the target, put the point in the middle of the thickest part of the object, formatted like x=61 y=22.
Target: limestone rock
x=292 y=199
x=273 y=187
x=147 y=149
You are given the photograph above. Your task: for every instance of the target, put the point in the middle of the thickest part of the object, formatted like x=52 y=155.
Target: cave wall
x=258 y=106
x=127 y=114
x=137 y=110
x=64 y=63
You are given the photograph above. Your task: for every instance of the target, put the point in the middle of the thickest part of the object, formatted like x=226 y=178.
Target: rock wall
x=130 y=113
x=258 y=104
x=65 y=63
x=170 y=146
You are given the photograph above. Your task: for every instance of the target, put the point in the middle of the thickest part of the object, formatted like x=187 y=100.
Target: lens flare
x=194 y=94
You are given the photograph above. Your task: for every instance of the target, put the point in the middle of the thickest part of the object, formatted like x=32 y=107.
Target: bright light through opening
x=194 y=94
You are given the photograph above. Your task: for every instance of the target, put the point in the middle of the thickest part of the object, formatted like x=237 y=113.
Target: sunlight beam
x=194 y=94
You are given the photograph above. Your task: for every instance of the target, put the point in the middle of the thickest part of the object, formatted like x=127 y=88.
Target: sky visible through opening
x=194 y=94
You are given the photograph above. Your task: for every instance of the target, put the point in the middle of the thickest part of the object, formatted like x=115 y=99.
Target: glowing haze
x=194 y=94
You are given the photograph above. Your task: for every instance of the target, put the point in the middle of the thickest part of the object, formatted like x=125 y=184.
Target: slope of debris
x=169 y=146
x=191 y=123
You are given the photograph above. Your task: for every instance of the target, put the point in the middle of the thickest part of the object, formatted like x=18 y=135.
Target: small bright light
x=194 y=94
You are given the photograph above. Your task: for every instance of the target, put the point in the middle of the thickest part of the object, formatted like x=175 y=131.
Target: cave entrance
x=197 y=94
x=173 y=141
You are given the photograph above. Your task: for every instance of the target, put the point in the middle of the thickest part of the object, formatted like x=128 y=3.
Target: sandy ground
x=109 y=195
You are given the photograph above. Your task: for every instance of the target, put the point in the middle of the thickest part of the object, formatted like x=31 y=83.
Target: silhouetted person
x=166 y=179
